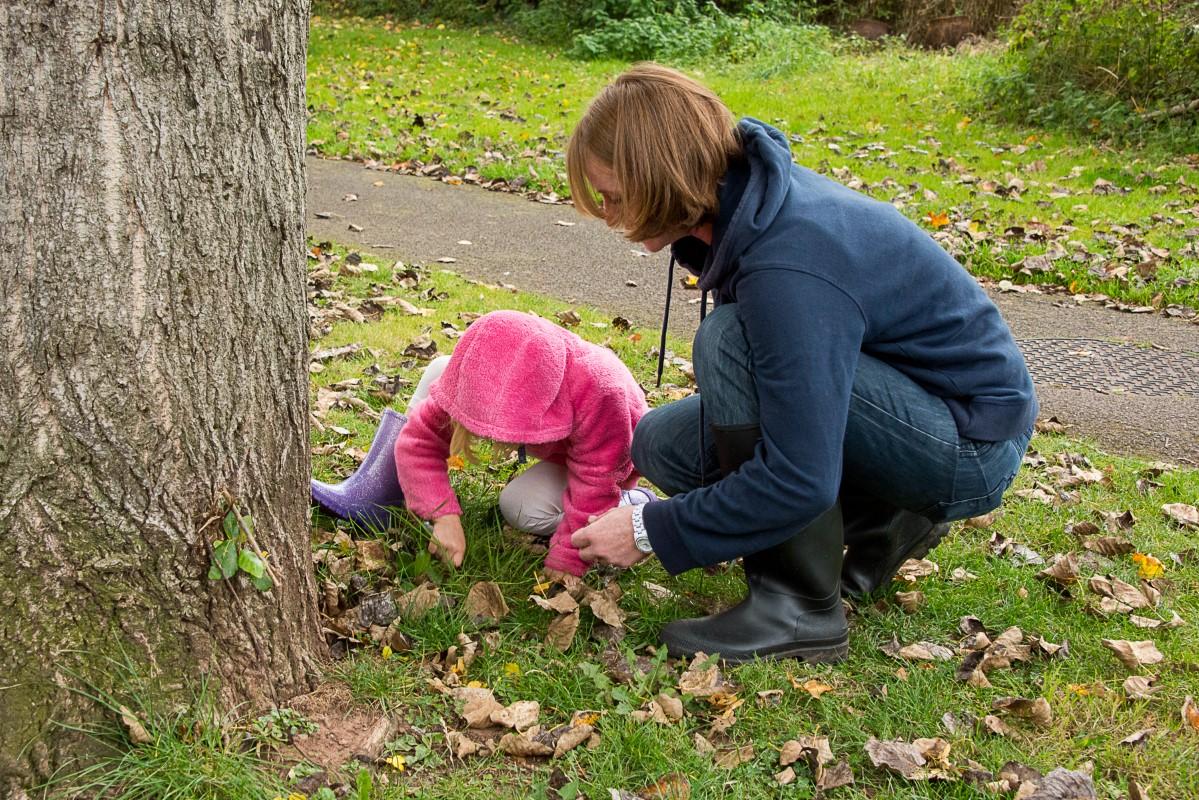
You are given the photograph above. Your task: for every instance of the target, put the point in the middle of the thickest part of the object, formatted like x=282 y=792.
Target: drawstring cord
x=665 y=319
x=703 y=310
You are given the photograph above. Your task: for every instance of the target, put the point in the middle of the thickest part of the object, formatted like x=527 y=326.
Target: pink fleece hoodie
x=519 y=379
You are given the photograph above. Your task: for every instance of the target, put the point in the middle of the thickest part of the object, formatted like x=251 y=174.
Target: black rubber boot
x=793 y=605
x=879 y=537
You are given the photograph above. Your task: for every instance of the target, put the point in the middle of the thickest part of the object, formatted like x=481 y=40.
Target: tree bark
x=153 y=353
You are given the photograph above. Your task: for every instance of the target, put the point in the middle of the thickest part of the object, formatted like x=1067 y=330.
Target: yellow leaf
x=1149 y=567
x=815 y=687
x=459 y=667
x=586 y=719
x=386 y=652
x=1080 y=689
x=455 y=462
x=543 y=587
x=396 y=762
x=476 y=685
x=512 y=668
x=936 y=219
x=692 y=280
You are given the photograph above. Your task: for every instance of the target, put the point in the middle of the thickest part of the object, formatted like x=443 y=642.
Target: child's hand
x=559 y=577
x=448 y=542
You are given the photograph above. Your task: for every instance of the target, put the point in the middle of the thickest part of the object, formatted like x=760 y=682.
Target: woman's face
x=603 y=180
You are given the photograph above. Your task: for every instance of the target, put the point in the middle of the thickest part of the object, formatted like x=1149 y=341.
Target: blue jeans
x=902 y=445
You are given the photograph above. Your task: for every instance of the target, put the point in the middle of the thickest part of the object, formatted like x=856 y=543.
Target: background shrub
x=1096 y=64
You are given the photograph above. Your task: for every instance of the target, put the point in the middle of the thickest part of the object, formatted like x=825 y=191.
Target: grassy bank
x=1011 y=203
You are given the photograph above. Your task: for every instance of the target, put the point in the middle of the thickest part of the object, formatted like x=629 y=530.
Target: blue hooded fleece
x=822 y=274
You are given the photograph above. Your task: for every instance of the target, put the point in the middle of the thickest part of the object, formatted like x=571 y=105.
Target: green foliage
x=235 y=552
x=280 y=726
x=1097 y=64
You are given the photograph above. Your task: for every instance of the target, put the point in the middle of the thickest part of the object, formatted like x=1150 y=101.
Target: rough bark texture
x=153 y=345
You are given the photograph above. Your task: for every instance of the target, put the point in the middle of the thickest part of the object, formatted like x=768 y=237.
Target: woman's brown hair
x=666 y=138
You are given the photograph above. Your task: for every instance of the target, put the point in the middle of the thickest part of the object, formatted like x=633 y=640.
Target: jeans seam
x=904 y=423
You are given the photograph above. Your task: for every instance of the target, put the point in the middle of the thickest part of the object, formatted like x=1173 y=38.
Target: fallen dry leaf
x=795 y=749
x=485 y=601
x=702 y=677
x=786 y=777
x=1140 y=687
x=519 y=715
x=460 y=744
x=137 y=731
x=734 y=757
x=912 y=761
x=1063 y=784
x=605 y=609
x=1037 y=710
x=913 y=569
x=671 y=786
x=1185 y=515
x=418 y=602
x=1134 y=654
x=1063 y=570
x=521 y=744
x=561 y=632
x=1190 y=713
x=478 y=705
x=1109 y=546
x=1138 y=738
x=561 y=603
x=910 y=602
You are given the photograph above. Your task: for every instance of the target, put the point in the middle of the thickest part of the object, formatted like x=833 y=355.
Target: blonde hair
x=666 y=138
x=462 y=443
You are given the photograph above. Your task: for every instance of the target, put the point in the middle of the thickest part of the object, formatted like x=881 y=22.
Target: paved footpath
x=1128 y=381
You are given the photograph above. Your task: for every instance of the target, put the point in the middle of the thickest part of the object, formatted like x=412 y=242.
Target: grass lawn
x=654 y=722
x=1019 y=204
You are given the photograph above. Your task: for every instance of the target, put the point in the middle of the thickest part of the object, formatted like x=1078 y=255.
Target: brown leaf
x=671 y=786
x=786 y=777
x=1138 y=738
x=699 y=680
x=925 y=651
x=1116 y=521
x=478 y=705
x=906 y=759
x=1134 y=654
x=1190 y=713
x=816 y=747
x=840 y=774
x=135 y=729
x=605 y=609
x=422 y=347
x=997 y=726
x=561 y=631
x=1140 y=687
x=1037 y=710
x=418 y=602
x=520 y=744
x=520 y=715
x=1126 y=595
x=1109 y=546
x=1063 y=570
x=570 y=318
x=1185 y=515
x=702 y=745
x=1062 y=784
x=485 y=601
x=910 y=602
x=913 y=569
x=372 y=555
x=561 y=603
x=815 y=688
x=460 y=744
x=734 y=757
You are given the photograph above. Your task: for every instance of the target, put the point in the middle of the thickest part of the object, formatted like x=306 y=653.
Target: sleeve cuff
x=668 y=545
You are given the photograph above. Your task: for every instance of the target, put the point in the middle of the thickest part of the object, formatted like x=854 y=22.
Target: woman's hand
x=448 y=542
x=608 y=539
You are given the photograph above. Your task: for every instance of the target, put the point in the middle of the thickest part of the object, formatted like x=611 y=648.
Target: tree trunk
x=153 y=353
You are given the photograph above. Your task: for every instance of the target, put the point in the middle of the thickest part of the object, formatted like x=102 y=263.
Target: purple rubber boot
x=366 y=496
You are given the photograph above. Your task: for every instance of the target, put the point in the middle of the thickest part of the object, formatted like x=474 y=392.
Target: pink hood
x=507 y=377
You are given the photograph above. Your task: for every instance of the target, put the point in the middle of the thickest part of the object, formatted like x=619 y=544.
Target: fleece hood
x=506 y=379
x=752 y=194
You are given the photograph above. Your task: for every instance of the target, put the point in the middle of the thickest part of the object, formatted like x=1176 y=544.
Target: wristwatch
x=640 y=535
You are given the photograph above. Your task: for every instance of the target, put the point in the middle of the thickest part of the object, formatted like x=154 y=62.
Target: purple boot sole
x=366 y=496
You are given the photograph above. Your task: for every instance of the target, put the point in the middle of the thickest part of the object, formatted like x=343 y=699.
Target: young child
x=515 y=379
